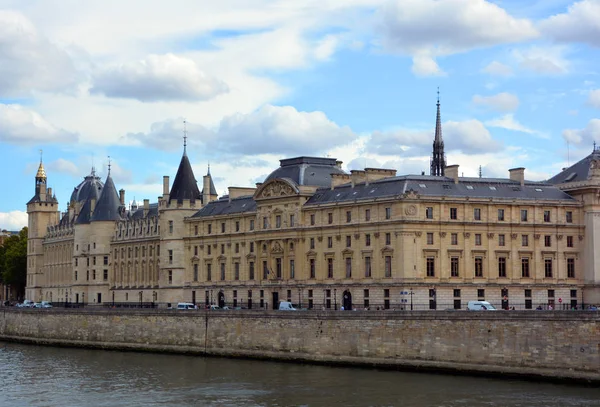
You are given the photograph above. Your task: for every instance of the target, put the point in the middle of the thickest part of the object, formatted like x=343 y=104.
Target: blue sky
x=262 y=80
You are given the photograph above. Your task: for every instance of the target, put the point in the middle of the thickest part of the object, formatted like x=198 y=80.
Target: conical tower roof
x=107 y=207
x=184 y=185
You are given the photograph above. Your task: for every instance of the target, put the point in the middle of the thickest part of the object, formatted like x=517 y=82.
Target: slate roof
x=184 y=185
x=139 y=212
x=576 y=172
x=90 y=186
x=108 y=205
x=212 y=189
x=85 y=214
x=314 y=171
x=225 y=207
x=424 y=185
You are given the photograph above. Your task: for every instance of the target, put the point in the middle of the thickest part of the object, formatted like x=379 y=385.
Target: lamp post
x=141 y=294
x=153 y=298
x=335 y=298
x=83 y=299
x=411 y=301
x=299 y=300
x=211 y=297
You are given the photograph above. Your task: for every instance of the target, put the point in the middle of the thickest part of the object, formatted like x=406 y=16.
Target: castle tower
x=438 y=158
x=209 y=192
x=42 y=211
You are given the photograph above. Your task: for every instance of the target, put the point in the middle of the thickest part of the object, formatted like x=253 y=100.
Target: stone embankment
x=553 y=345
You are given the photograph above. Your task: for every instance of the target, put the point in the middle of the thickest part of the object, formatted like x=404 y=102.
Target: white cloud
x=587 y=135
x=158 y=78
x=578 y=24
x=594 y=98
x=503 y=102
x=425 y=65
x=19 y=125
x=543 y=60
x=29 y=61
x=496 y=68
x=63 y=166
x=13 y=220
x=437 y=28
x=508 y=122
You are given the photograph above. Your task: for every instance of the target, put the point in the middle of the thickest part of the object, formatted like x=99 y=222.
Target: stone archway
x=347 y=300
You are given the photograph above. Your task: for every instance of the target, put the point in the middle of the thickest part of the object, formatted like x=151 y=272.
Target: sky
x=261 y=80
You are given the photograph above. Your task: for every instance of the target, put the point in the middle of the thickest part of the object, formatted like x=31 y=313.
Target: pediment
x=276 y=188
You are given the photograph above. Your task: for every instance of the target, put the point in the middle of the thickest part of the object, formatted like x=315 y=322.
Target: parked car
x=286 y=306
x=45 y=304
x=480 y=306
x=185 y=305
x=26 y=304
x=214 y=307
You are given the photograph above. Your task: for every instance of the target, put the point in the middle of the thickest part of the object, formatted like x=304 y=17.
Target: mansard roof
x=224 y=206
x=184 y=185
x=577 y=172
x=108 y=204
x=434 y=186
x=315 y=171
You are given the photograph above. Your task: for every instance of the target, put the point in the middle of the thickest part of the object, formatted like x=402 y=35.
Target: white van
x=286 y=306
x=480 y=306
x=185 y=305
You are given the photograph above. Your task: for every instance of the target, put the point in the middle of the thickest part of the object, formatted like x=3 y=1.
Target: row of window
x=135 y=252
x=124 y=231
x=501 y=240
x=501 y=214
x=87 y=275
x=478 y=267
x=104 y=261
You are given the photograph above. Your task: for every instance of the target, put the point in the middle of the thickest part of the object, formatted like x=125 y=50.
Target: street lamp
x=141 y=293
x=299 y=300
x=83 y=299
x=411 y=302
x=335 y=298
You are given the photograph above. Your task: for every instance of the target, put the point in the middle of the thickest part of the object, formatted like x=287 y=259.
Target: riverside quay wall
x=551 y=344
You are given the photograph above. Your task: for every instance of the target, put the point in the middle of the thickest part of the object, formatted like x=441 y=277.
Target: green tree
x=13 y=262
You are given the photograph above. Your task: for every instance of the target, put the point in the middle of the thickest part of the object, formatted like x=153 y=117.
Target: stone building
x=318 y=236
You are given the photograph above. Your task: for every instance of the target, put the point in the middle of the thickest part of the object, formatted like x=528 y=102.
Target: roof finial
x=594 y=145
x=438 y=99
x=208 y=173
x=184 y=136
x=41 y=155
x=480 y=172
x=109 y=165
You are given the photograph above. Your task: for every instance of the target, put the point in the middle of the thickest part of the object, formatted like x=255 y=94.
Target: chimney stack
x=122 y=196
x=517 y=174
x=166 y=185
x=451 y=171
x=146 y=207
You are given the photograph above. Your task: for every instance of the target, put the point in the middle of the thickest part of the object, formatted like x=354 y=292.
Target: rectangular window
x=195 y=230
x=547 y=240
x=292 y=220
x=330 y=218
x=222 y=249
x=546 y=216
x=105 y=260
x=525 y=267
x=251 y=224
x=312 y=268
x=569 y=241
x=170 y=226
x=251 y=247
x=265 y=222
x=388 y=213
x=195 y=272
x=312 y=243
x=454 y=239
x=222 y=271
x=501 y=240
x=388 y=238
x=454 y=266
x=501 y=214
x=330 y=268
x=367 y=240
x=548 y=268
x=251 y=270
x=208 y=272
x=94 y=274
x=292 y=269
x=195 y=250
x=524 y=240
x=569 y=217
x=453 y=213
x=329 y=242
x=236 y=271
x=209 y=228
x=388 y=266
x=456 y=292
x=348 y=241
x=105 y=275
x=571 y=268
x=478 y=267
x=367 y=266
x=429 y=212
x=501 y=266
x=573 y=293
x=477 y=239
x=237 y=247
x=480 y=293
x=348 y=267
x=523 y=215
x=477 y=214
x=237 y=226
x=265 y=270
x=278 y=267
x=429 y=238
x=367 y=215
x=76 y=275
x=348 y=216
x=278 y=221
x=550 y=293
x=430 y=267
x=170 y=276
x=208 y=250
x=222 y=227
x=312 y=219
x=170 y=256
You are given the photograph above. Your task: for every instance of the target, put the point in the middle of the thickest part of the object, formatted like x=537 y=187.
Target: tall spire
x=41 y=172
x=438 y=158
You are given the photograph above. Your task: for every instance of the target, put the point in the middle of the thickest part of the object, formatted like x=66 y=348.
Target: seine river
x=46 y=376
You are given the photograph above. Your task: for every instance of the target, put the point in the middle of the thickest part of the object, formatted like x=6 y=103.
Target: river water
x=47 y=376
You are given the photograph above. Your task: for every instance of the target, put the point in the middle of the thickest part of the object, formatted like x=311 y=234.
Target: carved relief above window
x=276 y=188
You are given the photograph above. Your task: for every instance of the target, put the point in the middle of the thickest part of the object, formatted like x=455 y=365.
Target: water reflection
x=46 y=376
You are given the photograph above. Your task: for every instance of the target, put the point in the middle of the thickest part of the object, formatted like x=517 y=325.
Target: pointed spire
x=438 y=159
x=41 y=172
x=108 y=204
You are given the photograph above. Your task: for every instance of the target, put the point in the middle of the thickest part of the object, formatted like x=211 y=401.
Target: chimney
x=451 y=171
x=339 y=164
x=50 y=193
x=358 y=176
x=517 y=174
x=146 y=207
x=339 y=179
x=122 y=196
x=166 y=185
x=205 y=189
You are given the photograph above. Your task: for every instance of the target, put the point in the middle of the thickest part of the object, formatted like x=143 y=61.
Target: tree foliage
x=13 y=261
